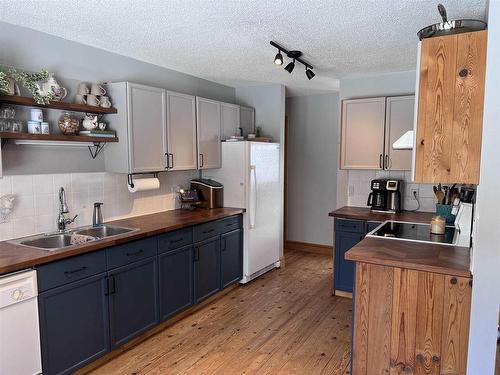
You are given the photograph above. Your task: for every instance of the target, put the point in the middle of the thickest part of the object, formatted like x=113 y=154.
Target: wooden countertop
x=363 y=213
x=17 y=257
x=448 y=260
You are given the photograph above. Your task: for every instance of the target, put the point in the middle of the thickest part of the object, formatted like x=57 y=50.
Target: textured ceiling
x=227 y=41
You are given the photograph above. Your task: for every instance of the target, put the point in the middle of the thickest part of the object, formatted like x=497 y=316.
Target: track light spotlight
x=309 y=73
x=278 y=60
x=290 y=66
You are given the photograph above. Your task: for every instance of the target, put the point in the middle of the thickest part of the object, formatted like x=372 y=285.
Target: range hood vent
x=405 y=142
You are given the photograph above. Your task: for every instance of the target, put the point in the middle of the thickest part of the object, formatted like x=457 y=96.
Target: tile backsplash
x=359 y=187
x=36 y=204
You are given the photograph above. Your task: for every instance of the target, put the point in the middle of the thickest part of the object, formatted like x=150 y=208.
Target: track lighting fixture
x=294 y=55
x=278 y=60
x=290 y=66
x=309 y=73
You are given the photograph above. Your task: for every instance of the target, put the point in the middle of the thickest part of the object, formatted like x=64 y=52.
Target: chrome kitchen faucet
x=62 y=221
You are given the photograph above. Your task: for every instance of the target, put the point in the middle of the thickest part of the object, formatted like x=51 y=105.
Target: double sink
x=57 y=241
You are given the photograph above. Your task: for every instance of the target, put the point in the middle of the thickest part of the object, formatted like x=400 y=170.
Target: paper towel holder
x=130 y=181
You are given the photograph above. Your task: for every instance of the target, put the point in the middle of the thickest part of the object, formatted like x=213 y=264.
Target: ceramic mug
x=105 y=102
x=92 y=100
x=83 y=89
x=80 y=99
x=97 y=89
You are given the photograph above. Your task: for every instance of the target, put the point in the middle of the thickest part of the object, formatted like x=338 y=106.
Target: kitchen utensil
x=450 y=27
x=92 y=100
x=440 y=196
x=83 y=89
x=97 y=89
x=80 y=99
x=466 y=194
x=105 y=102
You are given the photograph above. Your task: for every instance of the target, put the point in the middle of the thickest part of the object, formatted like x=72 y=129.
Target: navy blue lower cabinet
x=133 y=300
x=206 y=268
x=344 y=269
x=231 y=257
x=175 y=281
x=74 y=326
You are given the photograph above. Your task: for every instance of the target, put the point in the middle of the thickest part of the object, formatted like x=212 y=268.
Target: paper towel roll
x=142 y=184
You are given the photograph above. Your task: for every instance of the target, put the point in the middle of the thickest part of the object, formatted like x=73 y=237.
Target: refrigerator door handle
x=253 y=196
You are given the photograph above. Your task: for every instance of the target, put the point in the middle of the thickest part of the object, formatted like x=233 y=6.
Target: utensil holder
x=444 y=210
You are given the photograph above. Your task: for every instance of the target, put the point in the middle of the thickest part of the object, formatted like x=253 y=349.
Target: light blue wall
x=312 y=167
x=74 y=62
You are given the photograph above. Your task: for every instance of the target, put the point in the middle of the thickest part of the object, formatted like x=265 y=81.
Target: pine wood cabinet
x=410 y=322
x=450 y=108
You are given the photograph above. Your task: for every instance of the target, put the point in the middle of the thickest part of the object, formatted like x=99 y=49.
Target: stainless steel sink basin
x=103 y=231
x=77 y=236
x=55 y=241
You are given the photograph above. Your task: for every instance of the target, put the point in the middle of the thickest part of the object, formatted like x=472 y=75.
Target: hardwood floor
x=285 y=322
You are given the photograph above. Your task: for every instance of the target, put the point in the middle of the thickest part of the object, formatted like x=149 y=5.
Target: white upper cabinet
x=247 y=120
x=208 y=121
x=369 y=128
x=362 y=141
x=399 y=119
x=230 y=120
x=181 y=131
x=141 y=127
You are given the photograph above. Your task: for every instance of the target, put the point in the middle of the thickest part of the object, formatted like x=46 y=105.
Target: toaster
x=211 y=192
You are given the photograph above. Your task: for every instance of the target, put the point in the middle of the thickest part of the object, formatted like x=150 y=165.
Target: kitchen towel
x=143 y=184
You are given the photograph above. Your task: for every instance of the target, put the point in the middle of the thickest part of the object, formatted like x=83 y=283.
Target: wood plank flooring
x=285 y=322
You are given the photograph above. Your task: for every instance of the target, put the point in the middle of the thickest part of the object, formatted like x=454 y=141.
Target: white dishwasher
x=19 y=330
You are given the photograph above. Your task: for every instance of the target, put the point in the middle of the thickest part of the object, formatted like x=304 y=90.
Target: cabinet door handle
x=381 y=161
x=202 y=162
x=224 y=244
x=177 y=240
x=134 y=253
x=106 y=293
x=172 y=161
x=75 y=271
x=388 y=163
x=196 y=257
x=168 y=161
x=112 y=284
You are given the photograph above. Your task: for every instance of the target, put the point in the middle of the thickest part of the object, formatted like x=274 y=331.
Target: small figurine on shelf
x=89 y=122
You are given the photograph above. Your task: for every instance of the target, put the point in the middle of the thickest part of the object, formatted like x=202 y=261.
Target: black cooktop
x=414 y=232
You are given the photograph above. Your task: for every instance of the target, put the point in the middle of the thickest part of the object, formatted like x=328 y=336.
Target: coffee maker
x=385 y=196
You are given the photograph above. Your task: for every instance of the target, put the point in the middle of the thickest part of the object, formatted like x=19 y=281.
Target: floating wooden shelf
x=56 y=137
x=72 y=107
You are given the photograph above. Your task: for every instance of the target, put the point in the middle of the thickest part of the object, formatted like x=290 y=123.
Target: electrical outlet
x=414 y=194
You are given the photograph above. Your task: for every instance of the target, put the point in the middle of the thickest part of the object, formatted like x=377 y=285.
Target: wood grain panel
x=435 y=117
x=429 y=323
x=379 y=319
x=404 y=316
x=455 y=333
x=468 y=108
x=361 y=314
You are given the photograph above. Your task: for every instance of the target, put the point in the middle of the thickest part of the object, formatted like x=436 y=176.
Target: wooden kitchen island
x=411 y=307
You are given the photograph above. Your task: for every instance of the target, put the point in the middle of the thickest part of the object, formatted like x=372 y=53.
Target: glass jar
x=68 y=124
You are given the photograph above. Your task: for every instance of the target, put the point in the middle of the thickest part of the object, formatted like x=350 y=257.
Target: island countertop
x=15 y=257
x=448 y=260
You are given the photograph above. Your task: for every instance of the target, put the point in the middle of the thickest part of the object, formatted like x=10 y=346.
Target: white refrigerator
x=250 y=174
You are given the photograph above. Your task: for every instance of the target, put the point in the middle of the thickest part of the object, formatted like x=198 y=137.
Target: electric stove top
x=416 y=232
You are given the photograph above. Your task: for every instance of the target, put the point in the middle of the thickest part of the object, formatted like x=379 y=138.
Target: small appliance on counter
x=385 y=196
x=210 y=192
